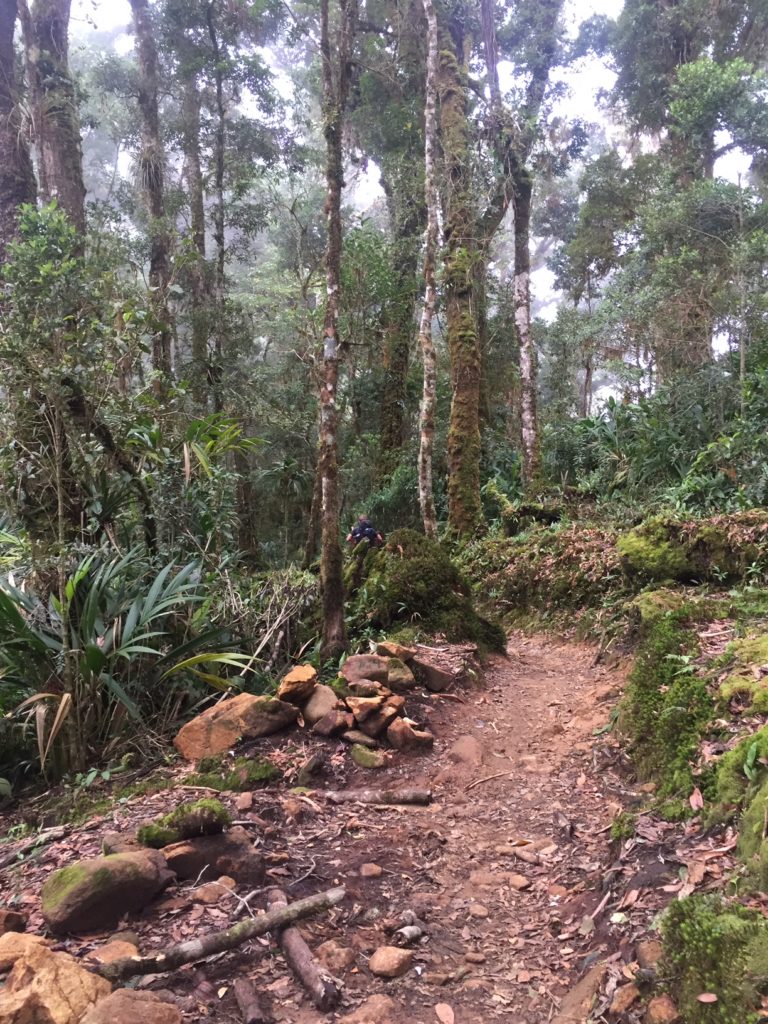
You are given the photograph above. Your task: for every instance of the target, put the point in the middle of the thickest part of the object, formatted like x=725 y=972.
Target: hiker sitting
x=364 y=530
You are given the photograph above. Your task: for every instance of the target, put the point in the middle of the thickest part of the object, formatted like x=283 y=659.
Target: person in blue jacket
x=364 y=530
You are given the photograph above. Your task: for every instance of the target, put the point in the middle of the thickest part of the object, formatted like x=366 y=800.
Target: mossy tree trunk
x=55 y=120
x=152 y=172
x=17 y=179
x=523 y=189
x=336 y=71
x=464 y=509
x=426 y=342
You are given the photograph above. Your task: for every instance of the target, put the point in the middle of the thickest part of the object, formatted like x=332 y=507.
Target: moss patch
x=366 y=757
x=413 y=579
x=747 y=680
x=712 y=947
x=241 y=774
x=650 y=553
x=61 y=883
x=202 y=818
x=732 y=774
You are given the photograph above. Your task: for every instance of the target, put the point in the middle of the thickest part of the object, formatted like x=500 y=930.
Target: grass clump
x=712 y=947
x=202 y=818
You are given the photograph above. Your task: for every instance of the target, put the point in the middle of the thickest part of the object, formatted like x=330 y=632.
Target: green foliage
x=243 y=773
x=413 y=579
x=713 y=947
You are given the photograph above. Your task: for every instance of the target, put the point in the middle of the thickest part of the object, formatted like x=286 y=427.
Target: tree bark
x=248 y=1001
x=152 y=174
x=17 y=179
x=428 y=408
x=335 y=94
x=320 y=986
x=56 y=124
x=194 y=177
x=219 y=210
x=464 y=509
x=379 y=796
x=522 y=299
x=219 y=942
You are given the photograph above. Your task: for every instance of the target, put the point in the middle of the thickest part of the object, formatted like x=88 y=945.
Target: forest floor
x=512 y=868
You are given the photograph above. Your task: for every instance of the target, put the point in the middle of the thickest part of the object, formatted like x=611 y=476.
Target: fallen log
x=36 y=843
x=320 y=986
x=220 y=942
x=248 y=1002
x=379 y=796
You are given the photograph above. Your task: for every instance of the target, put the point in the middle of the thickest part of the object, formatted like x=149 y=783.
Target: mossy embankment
x=694 y=716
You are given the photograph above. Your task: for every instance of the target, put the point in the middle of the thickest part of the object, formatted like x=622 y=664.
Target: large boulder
x=365 y=666
x=298 y=685
x=46 y=987
x=392 y=649
x=94 y=894
x=208 y=857
x=435 y=676
x=220 y=727
x=322 y=701
x=126 y=1006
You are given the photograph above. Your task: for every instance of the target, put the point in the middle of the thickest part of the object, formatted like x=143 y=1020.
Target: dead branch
x=379 y=796
x=321 y=987
x=220 y=942
x=248 y=1002
x=35 y=843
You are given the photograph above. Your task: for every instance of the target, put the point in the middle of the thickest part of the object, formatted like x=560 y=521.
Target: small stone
x=404 y=734
x=355 y=736
x=12 y=921
x=244 y=801
x=368 y=688
x=478 y=910
x=557 y=891
x=114 y=950
x=624 y=997
x=474 y=958
x=335 y=957
x=210 y=892
x=375 y=1010
x=227 y=882
x=661 y=1010
x=390 y=962
x=319 y=704
x=391 y=649
x=401 y=679
x=365 y=666
x=366 y=757
x=334 y=723
x=371 y=871
x=467 y=750
x=434 y=978
x=298 y=685
x=648 y=954
x=127 y=1006
x=518 y=882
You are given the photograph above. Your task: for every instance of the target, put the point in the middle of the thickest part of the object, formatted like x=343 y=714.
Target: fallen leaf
x=707 y=997
x=444 y=1013
x=696 y=800
x=222 y=992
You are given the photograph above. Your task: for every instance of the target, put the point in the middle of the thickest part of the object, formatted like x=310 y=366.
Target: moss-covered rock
x=234 y=776
x=413 y=579
x=747 y=678
x=753 y=845
x=738 y=771
x=650 y=552
x=712 y=947
x=651 y=605
x=202 y=818
x=366 y=757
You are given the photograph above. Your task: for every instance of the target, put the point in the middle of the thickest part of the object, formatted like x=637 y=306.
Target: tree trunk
x=152 y=174
x=56 y=124
x=335 y=93
x=464 y=509
x=17 y=180
x=522 y=300
x=194 y=177
x=219 y=209
x=426 y=342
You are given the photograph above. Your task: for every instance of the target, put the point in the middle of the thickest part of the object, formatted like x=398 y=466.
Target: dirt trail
x=493 y=952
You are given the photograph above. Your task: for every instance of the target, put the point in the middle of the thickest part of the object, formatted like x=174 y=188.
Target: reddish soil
x=491 y=952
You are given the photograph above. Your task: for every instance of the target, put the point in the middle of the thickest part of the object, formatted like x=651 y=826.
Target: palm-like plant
x=85 y=663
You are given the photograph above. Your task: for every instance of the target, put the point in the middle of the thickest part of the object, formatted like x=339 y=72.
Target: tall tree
x=426 y=341
x=17 y=180
x=55 y=119
x=152 y=175
x=336 y=76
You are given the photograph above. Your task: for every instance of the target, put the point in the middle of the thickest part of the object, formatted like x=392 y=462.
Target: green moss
x=241 y=774
x=339 y=686
x=414 y=580
x=649 y=552
x=711 y=947
x=667 y=705
x=651 y=605
x=366 y=757
x=674 y=810
x=62 y=882
x=201 y=818
x=623 y=826
x=749 y=656
x=732 y=782
x=753 y=845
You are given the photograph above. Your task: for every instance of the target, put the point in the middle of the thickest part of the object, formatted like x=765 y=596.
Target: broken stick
x=321 y=987
x=379 y=796
x=219 y=942
x=248 y=1002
